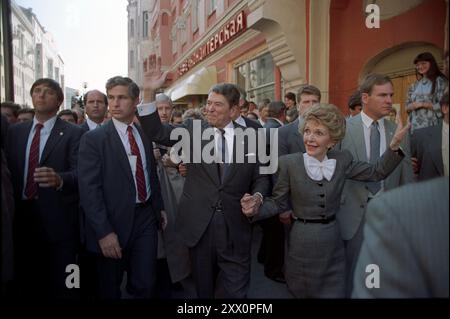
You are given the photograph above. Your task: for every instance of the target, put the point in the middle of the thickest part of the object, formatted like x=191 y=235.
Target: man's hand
x=157 y=153
x=110 y=246
x=250 y=204
x=163 y=219
x=47 y=177
x=400 y=132
x=154 y=78
x=167 y=162
x=286 y=217
x=182 y=169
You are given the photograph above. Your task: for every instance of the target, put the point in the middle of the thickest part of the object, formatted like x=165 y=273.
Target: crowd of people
x=112 y=192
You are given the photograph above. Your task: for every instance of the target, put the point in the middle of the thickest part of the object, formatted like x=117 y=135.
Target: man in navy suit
x=42 y=157
x=120 y=197
x=96 y=105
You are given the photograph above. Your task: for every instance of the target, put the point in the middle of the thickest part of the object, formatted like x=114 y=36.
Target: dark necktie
x=374 y=187
x=140 y=177
x=31 y=188
x=223 y=165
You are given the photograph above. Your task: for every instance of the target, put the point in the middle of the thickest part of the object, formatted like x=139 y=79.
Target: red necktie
x=140 y=177
x=33 y=161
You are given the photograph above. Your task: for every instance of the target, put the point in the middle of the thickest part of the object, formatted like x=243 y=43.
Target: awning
x=197 y=83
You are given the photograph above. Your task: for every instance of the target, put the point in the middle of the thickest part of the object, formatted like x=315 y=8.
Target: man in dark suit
x=429 y=147
x=209 y=219
x=237 y=117
x=405 y=248
x=42 y=157
x=96 y=105
x=120 y=197
x=271 y=250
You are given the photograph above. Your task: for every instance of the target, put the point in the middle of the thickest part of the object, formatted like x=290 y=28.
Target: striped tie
x=140 y=177
x=31 y=188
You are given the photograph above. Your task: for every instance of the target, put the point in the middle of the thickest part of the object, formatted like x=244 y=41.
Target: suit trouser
x=41 y=264
x=272 y=246
x=352 y=248
x=219 y=268
x=138 y=259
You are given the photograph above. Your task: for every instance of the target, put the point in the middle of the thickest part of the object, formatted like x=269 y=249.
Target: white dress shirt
x=240 y=120
x=45 y=133
x=121 y=129
x=229 y=138
x=92 y=125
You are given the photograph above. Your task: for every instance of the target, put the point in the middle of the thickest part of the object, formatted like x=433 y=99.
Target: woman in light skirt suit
x=313 y=182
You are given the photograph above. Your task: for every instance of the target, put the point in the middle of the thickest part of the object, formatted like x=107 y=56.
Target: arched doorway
x=397 y=63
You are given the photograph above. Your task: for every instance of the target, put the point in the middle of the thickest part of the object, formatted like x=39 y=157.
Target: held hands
x=250 y=204
x=400 y=133
x=182 y=169
x=154 y=78
x=47 y=177
x=286 y=217
x=110 y=246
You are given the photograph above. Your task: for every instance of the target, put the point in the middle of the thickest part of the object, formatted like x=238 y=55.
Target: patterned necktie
x=31 y=188
x=140 y=177
x=374 y=187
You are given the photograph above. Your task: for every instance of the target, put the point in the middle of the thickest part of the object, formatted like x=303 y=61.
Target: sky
x=91 y=37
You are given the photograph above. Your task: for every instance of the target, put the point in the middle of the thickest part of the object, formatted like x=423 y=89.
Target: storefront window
x=257 y=78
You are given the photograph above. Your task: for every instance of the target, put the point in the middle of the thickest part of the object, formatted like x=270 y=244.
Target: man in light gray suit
x=366 y=137
x=406 y=236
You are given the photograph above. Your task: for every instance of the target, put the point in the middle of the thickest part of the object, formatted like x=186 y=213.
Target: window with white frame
x=256 y=76
x=212 y=6
x=145 y=18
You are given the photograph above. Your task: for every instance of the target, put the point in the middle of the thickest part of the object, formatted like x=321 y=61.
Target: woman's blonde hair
x=329 y=116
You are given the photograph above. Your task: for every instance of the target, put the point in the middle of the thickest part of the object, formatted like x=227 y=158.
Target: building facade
x=271 y=47
x=35 y=55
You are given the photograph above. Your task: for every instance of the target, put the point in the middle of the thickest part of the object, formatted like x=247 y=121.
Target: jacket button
x=320 y=184
x=322 y=205
x=322 y=195
x=362 y=206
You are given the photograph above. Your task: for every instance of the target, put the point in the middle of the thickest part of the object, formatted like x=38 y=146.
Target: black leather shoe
x=277 y=278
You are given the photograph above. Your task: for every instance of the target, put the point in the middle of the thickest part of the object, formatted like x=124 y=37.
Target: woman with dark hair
x=424 y=95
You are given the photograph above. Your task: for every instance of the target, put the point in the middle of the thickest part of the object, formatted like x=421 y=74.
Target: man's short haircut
x=276 y=108
x=14 y=107
x=229 y=91
x=290 y=96
x=177 y=113
x=85 y=96
x=133 y=89
x=372 y=79
x=25 y=110
x=52 y=84
x=355 y=100
x=69 y=112
x=309 y=90
x=161 y=97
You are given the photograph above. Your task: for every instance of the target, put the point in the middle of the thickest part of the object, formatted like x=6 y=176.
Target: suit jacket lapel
x=118 y=150
x=298 y=138
x=22 y=149
x=357 y=135
x=56 y=135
